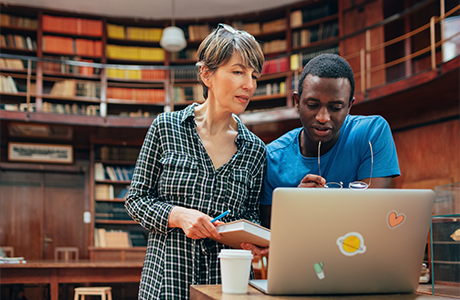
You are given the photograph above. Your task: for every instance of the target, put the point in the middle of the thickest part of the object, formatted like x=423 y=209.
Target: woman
x=194 y=165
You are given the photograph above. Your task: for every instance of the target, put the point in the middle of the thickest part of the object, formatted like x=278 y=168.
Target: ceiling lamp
x=173 y=39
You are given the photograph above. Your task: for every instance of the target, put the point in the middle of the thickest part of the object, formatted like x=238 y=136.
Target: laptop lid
x=344 y=241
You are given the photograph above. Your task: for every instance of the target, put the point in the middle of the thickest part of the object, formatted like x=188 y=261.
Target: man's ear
x=296 y=97
x=351 y=104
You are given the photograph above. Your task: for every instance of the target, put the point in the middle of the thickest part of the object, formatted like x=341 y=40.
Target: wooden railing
x=365 y=69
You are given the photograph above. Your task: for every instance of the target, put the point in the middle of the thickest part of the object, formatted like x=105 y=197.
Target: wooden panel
x=429 y=155
x=64 y=207
x=358 y=18
x=21 y=213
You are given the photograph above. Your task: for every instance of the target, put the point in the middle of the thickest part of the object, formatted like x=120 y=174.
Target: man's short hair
x=328 y=66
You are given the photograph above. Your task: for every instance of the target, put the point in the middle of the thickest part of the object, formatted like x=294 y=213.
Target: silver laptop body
x=343 y=241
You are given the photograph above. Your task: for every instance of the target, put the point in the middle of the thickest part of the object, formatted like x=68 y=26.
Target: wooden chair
x=66 y=253
x=104 y=291
x=259 y=265
x=8 y=251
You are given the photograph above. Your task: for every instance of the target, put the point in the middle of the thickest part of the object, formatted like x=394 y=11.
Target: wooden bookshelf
x=138 y=83
x=111 y=170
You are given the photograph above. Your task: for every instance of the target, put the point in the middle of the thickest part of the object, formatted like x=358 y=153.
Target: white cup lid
x=235 y=253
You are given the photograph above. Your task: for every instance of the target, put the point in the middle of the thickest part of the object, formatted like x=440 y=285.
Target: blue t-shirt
x=347 y=161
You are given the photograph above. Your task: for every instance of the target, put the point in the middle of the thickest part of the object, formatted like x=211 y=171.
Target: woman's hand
x=195 y=224
x=312 y=181
x=255 y=250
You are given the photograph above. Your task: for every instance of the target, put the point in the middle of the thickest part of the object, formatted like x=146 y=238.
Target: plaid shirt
x=173 y=168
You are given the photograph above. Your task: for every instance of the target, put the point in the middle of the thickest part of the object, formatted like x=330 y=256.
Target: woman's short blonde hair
x=220 y=45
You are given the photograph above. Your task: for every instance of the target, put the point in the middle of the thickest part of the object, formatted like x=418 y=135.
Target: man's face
x=323 y=107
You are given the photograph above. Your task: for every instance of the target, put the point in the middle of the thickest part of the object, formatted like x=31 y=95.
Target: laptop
x=344 y=241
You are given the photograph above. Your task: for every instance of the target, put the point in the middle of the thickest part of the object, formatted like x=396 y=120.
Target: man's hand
x=312 y=181
x=195 y=224
x=254 y=249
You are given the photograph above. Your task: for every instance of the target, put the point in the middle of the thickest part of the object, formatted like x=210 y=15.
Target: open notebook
x=330 y=241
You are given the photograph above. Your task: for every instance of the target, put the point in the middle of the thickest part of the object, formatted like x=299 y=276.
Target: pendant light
x=173 y=39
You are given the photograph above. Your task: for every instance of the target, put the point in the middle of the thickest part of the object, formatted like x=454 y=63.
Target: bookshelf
x=114 y=231
x=134 y=88
x=114 y=69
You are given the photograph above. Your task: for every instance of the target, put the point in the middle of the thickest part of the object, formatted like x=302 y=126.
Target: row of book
x=198 y=32
x=135 y=94
x=144 y=74
x=273 y=26
x=277 y=65
x=134 y=33
x=66 y=68
x=185 y=74
x=298 y=61
x=274 y=46
x=306 y=36
x=71 y=109
x=12 y=63
x=15 y=21
x=117 y=153
x=71 y=25
x=18 y=106
x=18 y=41
x=135 y=53
x=74 y=88
x=189 y=54
x=256 y=28
x=119 y=238
x=8 y=85
x=113 y=172
x=298 y=17
x=268 y=89
x=107 y=192
x=110 y=210
x=66 y=45
x=137 y=114
x=192 y=92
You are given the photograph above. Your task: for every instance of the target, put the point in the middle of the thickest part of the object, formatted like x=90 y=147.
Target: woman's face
x=232 y=85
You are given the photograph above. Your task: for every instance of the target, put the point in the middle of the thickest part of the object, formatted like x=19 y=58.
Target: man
x=351 y=148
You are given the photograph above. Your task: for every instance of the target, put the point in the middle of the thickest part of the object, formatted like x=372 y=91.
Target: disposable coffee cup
x=235 y=267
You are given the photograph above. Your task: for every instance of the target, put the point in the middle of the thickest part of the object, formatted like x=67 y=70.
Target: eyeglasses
x=231 y=30
x=359 y=185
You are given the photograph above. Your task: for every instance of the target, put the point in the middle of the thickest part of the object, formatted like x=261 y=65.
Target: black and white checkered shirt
x=174 y=168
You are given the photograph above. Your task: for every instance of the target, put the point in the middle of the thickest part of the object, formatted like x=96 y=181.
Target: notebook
x=343 y=241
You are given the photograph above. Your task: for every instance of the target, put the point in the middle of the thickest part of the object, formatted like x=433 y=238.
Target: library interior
x=80 y=86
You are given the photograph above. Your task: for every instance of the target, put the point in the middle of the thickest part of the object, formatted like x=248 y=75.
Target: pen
x=220 y=216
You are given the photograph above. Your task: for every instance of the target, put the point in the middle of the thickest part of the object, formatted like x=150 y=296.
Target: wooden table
x=55 y=272
x=214 y=292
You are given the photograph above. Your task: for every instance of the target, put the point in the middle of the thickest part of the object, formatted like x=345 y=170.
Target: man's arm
x=379 y=182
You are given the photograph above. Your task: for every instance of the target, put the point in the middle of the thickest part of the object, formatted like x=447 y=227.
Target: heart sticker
x=394 y=220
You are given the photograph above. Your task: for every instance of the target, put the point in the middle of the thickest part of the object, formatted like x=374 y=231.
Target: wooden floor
x=440 y=290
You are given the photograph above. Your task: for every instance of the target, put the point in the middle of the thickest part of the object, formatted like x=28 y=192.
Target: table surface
x=82 y=271
x=44 y=264
x=214 y=292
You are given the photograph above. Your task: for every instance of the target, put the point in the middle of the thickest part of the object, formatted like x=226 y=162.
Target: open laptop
x=344 y=241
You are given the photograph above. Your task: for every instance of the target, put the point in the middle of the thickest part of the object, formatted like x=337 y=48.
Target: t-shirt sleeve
x=385 y=158
x=267 y=188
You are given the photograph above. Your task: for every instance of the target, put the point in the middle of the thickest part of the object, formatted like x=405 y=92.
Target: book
x=12 y=260
x=99 y=173
x=243 y=231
